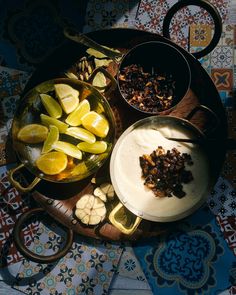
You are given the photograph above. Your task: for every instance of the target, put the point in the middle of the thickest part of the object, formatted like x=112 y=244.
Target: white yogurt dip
x=129 y=186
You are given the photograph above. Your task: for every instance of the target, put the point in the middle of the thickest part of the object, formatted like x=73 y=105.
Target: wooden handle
x=32 y=255
x=210 y=9
x=17 y=185
x=119 y=225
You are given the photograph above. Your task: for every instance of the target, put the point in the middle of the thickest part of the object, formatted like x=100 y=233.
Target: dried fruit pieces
x=90 y=210
x=164 y=172
x=149 y=92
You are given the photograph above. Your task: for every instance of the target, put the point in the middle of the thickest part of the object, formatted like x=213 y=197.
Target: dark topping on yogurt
x=165 y=172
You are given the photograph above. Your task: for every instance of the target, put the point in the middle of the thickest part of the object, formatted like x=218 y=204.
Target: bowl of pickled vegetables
x=63 y=130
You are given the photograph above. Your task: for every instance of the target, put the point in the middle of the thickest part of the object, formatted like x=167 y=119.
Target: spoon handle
x=230 y=143
x=83 y=39
x=190 y=140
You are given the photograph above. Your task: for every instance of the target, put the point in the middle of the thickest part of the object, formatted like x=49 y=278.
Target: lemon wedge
x=79 y=169
x=52 y=137
x=68 y=97
x=46 y=120
x=74 y=118
x=68 y=148
x=52 y=163
x=95 y=123
x=51 y=105
x=33 y=133
x=93 y=148
x=81 y=134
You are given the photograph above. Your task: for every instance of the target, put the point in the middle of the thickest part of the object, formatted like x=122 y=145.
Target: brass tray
x=59 y=199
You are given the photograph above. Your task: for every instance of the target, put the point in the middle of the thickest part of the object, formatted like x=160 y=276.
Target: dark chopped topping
x=164 y=172
x=145 y=91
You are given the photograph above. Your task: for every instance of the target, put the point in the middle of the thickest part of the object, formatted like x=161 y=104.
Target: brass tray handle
x=31 y=255
x=215 y=123
x=17 y=185
x=210 y=9
x=125 y=230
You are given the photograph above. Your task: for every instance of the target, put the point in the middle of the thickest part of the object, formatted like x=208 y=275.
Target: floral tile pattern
x=221 y=57
x=107 y=14
x=129 y=266
x=228 y=227
x=200 y=35
x=223 y=198
x=188 y=260
x=227 y=37
x=151 y=14
x=87 y=268
x=12 y=205
x=223 y=78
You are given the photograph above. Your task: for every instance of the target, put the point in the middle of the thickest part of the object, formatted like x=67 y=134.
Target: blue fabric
x=191 y=259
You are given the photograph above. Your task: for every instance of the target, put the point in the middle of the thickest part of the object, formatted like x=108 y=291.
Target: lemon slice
x=95 y=123
x=93 y=148
x=74 y=118
x=53 y=136
x=51 y=105
x=52 y=163
x=68 y=97
x=33 y=133
x=81 y=134
x=46 y=120
x=68 y=148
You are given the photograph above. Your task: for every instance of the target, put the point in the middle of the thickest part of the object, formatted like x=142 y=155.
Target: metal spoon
x=76 y=36
x=230 y=142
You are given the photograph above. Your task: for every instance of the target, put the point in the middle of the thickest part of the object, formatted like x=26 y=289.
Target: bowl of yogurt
x=143 y=138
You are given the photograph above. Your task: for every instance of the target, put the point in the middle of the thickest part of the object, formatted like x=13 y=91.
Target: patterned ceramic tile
x=223 y=198
x=205 y=60
x=151 y=14
x=3 y=134
x=227 y=36
x=11 y=206
x=222 y=57
x=9 y=105
x=228 y=227
x=234 y=34
x=166 y=258
x=200 y=35
x=227 y=99
x=87 y=268
x=2 y=154
x=106 y=14
x=129 y=265
x=223 y=78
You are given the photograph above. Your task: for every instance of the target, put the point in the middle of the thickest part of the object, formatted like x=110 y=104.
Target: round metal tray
x=59 y=199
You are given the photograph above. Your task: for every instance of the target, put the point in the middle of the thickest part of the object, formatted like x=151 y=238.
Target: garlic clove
x=107 y=188
x=100 y=194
